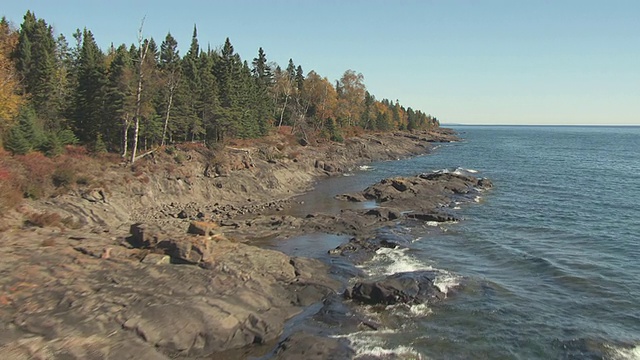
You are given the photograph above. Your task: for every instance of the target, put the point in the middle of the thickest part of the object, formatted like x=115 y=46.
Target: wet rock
x=357 y=249
x=335 y=312
x=433 y=216
x=385 y=213
x=312 y=347
x=400 y=184
x=405 y=288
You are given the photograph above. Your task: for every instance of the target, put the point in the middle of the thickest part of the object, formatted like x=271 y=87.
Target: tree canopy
x=83 y=93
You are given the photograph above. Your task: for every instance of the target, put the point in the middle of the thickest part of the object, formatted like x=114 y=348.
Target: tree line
x=136 y=97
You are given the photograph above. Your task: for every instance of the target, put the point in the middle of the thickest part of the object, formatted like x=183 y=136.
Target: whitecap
x=366 y=168
x=420 y=310
x=432 y=223
x=369 y=344
x=620 y=353
x=388 y=261
x=347 y=174
x=446 y=281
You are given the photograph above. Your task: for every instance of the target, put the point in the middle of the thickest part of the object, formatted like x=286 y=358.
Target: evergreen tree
x=208 y=98
x=299 y=78
x=264 y=80
x=171 y=73
x=229 y=73
x=120 y=100
x=36 y=63
x=90 y=93
x=16 y=142
x=189 y=120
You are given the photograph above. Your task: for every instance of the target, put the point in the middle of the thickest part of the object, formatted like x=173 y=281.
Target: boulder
x=433 y=216
x=202 y=228
x=189 y=249
x=403 y=288
x=144 y=235
x=400 y=184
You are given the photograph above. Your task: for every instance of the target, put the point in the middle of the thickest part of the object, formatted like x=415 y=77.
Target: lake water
x=545 y=266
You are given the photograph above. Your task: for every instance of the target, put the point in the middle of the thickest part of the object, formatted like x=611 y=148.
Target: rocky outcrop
x=171 y=285
x=401 y=288
x=70 y=298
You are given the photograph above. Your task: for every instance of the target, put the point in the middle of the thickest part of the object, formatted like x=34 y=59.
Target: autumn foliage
x=10 y=100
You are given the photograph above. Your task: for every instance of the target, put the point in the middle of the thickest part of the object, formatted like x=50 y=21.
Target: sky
x=561 y=62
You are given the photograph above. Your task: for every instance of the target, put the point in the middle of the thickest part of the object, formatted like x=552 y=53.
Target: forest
x=130 y=98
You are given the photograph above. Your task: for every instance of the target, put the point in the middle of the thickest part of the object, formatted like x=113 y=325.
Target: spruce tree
x=90 y=93
x=171 y=74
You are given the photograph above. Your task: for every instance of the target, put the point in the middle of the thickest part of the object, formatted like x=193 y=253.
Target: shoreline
x=140 y=287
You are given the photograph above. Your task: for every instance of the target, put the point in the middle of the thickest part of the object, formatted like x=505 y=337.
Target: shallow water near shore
x=545 y=266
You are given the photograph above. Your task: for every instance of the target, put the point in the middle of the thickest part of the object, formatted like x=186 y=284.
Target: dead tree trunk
x=141 y=58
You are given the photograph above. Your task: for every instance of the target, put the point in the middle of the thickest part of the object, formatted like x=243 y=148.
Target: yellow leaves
x=10 y=101
x=321 y=94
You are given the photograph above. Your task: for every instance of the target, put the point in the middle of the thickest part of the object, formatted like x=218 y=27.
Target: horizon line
x=556 y=125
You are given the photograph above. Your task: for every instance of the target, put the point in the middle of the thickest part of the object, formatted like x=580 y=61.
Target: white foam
x=446 y=281
x=389 y=261
x=420 y=310
x=366 y=168
x=347 y=174
x=432 y=223
x=619 y=353
x=372 y=344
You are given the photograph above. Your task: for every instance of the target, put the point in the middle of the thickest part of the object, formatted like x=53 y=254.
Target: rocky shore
x=164 y=266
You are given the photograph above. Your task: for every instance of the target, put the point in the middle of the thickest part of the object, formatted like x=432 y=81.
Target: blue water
x=546 y=266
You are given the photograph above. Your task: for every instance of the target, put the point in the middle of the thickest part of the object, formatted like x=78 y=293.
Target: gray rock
x=156 y=259
x=405 y=288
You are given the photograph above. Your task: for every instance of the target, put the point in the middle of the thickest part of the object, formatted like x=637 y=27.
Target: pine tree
x=36 y=63
x=16 y=142
x=189 y=118
x=171 y=75
x=120 y=99
x=229 y=73
x=264 y=80
x=90 y=93
x=299 y=78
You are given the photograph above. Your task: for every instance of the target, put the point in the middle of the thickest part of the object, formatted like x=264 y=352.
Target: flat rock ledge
x=84 y=296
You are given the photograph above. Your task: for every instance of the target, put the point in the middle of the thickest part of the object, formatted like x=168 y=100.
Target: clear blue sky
x=475 y=61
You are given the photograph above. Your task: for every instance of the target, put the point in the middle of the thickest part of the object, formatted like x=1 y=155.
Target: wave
x=366 y=168
x=624 y=353
x=371 y=344
x=389 y=261
x=456 y=171
x=446 y=281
